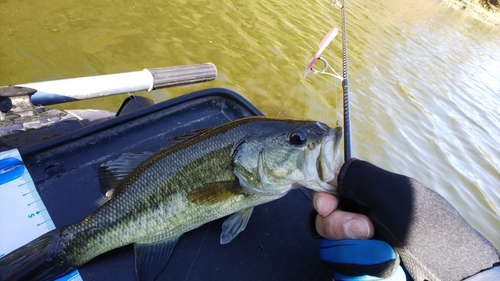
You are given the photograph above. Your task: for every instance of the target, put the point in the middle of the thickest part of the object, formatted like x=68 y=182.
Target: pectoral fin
x=234 y=225
x=214 y=192
x=151 y=259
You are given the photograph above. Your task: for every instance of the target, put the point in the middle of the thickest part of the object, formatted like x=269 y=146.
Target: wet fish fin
x=235 y=224
x=41 y=259
x=151 y=259
x=214 y=192
x=112 y=173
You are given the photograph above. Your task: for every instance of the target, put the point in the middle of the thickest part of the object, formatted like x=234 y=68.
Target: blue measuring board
x=23 y=216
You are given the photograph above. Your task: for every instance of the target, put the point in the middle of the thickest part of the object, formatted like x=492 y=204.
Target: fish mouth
x=320 y=164
x=327 y=159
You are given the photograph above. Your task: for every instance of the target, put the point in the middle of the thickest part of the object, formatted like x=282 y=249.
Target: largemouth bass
x=228 y=169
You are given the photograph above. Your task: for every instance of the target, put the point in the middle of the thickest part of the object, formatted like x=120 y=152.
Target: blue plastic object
x=363 y=252
x=10 y=169
x=356 y=260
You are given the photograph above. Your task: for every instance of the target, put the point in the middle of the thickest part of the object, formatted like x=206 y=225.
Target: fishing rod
x=345 y=84
x=345 y=89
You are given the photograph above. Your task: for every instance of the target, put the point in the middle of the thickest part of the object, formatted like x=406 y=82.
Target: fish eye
x=298 y=137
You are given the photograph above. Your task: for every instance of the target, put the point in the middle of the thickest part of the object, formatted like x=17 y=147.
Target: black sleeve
x=431 y=237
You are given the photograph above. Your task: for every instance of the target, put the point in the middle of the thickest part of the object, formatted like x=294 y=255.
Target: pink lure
x=322 y=46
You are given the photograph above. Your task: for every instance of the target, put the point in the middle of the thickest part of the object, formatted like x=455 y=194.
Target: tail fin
x=41 y=259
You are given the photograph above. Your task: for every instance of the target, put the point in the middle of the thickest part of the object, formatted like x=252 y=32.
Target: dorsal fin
x=112 y=173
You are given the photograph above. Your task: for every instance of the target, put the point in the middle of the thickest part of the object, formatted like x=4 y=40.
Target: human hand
x=432 y=239
x=335 y=224
x=347 y=249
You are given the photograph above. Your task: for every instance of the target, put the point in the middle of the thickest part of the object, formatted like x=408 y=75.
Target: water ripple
x=425 y=89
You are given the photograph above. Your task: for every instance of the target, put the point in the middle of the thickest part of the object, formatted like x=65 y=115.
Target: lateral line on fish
x=153 y=207
x=212 y=132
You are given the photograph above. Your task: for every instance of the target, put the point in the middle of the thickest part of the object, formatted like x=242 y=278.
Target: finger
x=344 y=225
x=324 y=203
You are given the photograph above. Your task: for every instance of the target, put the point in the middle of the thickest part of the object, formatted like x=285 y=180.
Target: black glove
x=433 y=241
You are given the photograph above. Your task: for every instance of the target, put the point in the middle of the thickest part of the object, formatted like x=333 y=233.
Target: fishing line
x=199 y=250
x=322 y=71
x=345 y=84
x=289 y=97
x=333 y=5
x=326 y=66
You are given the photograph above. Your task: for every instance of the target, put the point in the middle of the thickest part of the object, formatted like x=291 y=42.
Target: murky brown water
x=424 y=79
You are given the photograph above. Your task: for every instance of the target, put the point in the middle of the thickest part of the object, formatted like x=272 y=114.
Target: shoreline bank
x=490 y=14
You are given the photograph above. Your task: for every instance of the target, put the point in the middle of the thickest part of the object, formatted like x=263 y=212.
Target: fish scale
x=227 y=169
x=160 y=224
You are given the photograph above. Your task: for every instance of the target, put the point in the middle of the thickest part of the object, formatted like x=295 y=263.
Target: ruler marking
x=43 y=222
x=23 y=215
x=34 y=202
